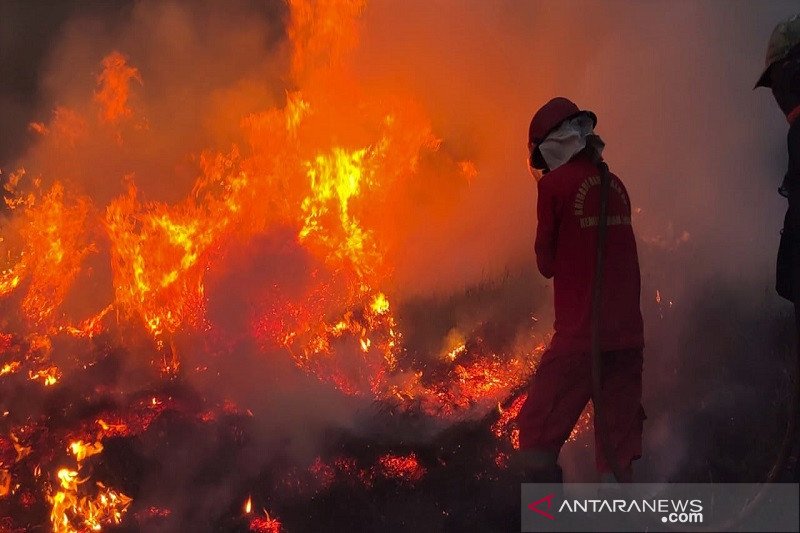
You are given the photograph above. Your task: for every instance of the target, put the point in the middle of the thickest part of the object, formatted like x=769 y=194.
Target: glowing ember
x=584 y=424
x=22 y=450
x=9 y=368
x=404 y=467
x=5 y=482
x=505 y=426
x=153 y=513
x=48 y=376
x=455 y=352
x=265 y=524
x=401 y=468
x=325 y=474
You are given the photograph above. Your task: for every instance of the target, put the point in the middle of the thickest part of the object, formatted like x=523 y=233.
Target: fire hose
x=596 y=312
x=596 y=355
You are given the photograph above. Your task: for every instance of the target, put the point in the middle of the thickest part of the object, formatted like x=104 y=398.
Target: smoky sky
x=28 y=32
x=32 y=31
x=701 y=153
x=671 y=82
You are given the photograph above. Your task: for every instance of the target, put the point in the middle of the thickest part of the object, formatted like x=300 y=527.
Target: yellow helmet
x=785 y=36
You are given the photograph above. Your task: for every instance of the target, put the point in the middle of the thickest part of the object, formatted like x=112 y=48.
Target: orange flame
x=48 y=376
x=329 y=164
x=5 y=482
x=72 y=512
x=114 y=87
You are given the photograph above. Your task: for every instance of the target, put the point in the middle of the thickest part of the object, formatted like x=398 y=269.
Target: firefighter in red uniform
x=561 y=142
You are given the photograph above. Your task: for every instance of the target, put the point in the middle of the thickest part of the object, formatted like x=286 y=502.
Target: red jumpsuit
x=566 y=241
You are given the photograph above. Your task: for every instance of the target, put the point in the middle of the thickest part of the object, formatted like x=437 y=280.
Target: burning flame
x=114 y=87
x=5 y=482
x=48 y=376
x=73 y=512
x=329 y=164
x=81 y=450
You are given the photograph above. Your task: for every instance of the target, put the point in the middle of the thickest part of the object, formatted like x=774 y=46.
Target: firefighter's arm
x=546 y=232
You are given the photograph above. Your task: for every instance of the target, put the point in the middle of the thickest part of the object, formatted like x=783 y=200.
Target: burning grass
x=113 y=312
x=104 y=449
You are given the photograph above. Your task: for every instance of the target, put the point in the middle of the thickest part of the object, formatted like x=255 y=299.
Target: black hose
x=600 y=423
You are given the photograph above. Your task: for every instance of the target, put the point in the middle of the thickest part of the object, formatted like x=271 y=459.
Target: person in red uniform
x=561 y=140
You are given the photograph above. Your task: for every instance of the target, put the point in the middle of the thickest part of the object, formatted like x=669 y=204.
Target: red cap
x=551 y=115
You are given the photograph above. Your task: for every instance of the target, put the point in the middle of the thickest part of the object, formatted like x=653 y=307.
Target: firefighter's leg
x=557 y=395
x=624 y=415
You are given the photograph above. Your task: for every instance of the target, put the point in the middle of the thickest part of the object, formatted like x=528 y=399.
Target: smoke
x=700 y=153
x=699 y=150
x=200 y=67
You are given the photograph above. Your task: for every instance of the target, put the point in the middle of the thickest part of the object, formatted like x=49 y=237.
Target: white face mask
x=568 y=139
